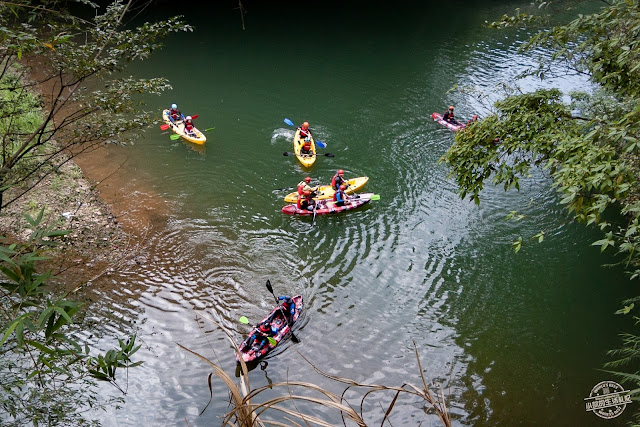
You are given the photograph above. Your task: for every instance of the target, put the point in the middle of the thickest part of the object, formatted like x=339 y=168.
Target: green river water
x=512 y=338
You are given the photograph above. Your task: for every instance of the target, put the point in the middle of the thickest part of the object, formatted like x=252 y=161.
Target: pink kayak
x=454 y=127
x=324 y=207
x=251 y=351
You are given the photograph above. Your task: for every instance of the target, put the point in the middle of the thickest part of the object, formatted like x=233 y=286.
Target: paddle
x=375 y=197
x=321 y=144
x=164 y=126
x=272 y=341
x=293 y=154
x=207 y=130
x=315 y=205
x=289 y=122
x=293 y=337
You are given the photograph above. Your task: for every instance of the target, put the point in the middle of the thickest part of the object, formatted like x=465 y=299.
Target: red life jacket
x=175 y=114
x=337 y=181
x=188 y=126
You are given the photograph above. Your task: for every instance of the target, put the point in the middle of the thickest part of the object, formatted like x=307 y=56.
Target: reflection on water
x=419 y=265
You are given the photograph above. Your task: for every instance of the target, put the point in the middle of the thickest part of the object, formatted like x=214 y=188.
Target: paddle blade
x=272 y=341
x=289 y=122
x=244 y=320
x=174 y=137
x=329 y=155
x=321 y=144
x=375 y=197
x=195 y=116
x=269 y=288
x=164 y=127
x=287 y=154
x=207 y=130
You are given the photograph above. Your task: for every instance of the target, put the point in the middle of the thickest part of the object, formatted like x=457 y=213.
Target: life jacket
x=339 y=196
x=306 y=148
x=448 y=115
x=188 y=126
x=174 y=114
x=337 y=181
x=304 y=133
x=298 y=203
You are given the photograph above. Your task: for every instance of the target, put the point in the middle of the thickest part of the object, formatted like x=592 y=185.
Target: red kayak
x=324 y=207
x=251 y=349
x=454 y=127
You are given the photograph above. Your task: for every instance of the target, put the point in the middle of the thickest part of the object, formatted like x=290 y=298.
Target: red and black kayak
x=324 y=207
x=252 y=350
x=454 y=127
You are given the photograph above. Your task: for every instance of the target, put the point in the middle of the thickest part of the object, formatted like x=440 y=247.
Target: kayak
x=178 y=127
x=307 y=160
x=249 y=348
x=324 y=207
x=326 y=192
x=454 y=127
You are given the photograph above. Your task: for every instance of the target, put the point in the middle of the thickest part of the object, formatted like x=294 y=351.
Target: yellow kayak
x=196 y=137
x=326 y=192
x=306 y=160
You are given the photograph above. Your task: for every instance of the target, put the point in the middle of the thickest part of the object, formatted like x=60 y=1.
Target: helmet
x=188 y=117
x=306 y=193
x=307 y=179
x=340 y=172
x=450 y=107
x=305 y=125
x=174 y=106
x=343 y=187
x=264 y=327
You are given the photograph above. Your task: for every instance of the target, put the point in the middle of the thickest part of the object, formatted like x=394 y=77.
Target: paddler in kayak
x=288 y=306
x=305 y=185
x=260 y=339
x=306 y=201
x=305 y=150
x=188 y=126
x=305 y=133
x=449 y=117
x=338 y=180
x=174 y=114
x=339 y=197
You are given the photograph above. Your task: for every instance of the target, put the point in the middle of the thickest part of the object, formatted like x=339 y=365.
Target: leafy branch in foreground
x=47 y=371
x=297 y=394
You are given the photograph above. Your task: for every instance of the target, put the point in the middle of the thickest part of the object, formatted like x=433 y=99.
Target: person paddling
x=305 y=185
x=175 y=114
x=305 y=150
x=305 y=133
x=188 y=126
x=306 y=201
x=288 y=306
x=338 y=180
x=339 y=196
x=448 y=116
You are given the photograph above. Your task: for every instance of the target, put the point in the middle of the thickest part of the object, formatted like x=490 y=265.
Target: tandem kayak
x=454 y=127
x=324 y=207
x=326 y=192
x=249 y=348
x=307 y=160
x=196 y=137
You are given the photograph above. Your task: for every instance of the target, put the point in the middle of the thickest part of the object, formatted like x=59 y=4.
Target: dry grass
x=245 y=413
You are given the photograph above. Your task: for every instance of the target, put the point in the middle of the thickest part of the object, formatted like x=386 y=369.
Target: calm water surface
x=513 y=338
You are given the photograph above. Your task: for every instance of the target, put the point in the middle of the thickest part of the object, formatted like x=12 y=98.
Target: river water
x=512 y=338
